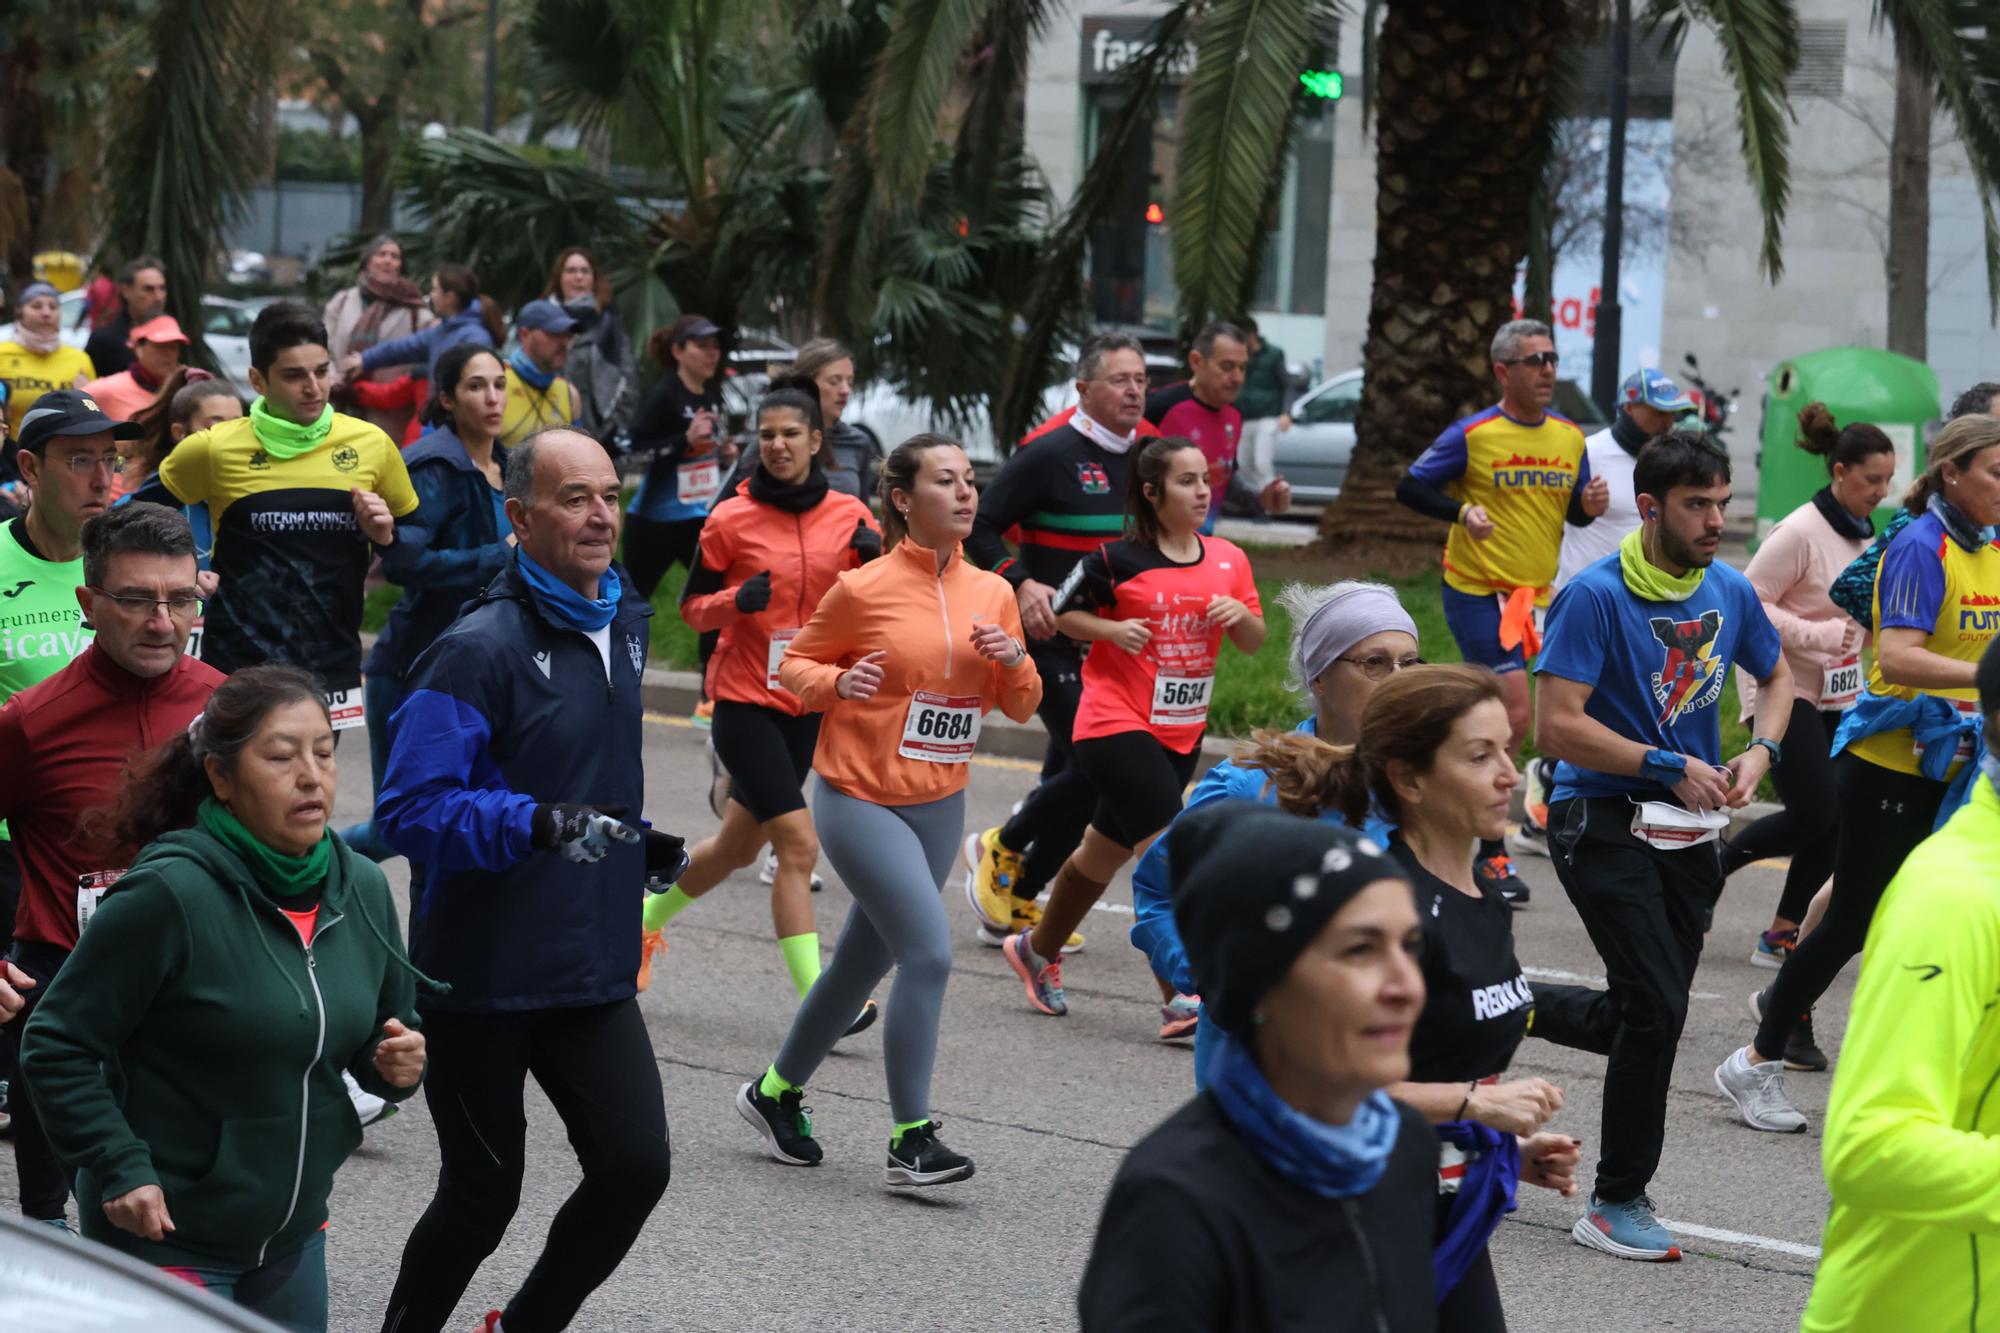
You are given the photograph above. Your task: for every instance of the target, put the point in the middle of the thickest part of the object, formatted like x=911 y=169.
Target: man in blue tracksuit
x=514 y=778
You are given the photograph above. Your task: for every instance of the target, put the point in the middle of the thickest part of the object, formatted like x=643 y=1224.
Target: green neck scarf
x=280 y=875
x=1646 y=580
x=284 y=439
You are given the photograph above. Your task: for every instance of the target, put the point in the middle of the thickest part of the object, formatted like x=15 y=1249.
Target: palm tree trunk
x=1909 y=252
x=1459 y=148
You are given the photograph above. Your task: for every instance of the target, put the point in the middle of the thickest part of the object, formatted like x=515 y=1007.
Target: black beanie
x=1252 y=887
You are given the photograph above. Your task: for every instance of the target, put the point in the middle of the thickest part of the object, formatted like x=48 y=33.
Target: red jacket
x=805 y=553
x=63 y=747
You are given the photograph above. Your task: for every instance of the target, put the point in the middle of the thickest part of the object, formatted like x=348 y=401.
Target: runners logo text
x=1689 y=676
x=1526 y=472
x=1980 y=613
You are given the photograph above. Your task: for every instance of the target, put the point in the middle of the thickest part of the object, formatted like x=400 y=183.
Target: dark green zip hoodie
x=194 y=1043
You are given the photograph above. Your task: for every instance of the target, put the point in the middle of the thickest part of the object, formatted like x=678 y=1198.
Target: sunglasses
x=1538 y=360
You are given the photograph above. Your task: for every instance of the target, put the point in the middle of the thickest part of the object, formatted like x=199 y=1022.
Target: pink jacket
x=1791 y=571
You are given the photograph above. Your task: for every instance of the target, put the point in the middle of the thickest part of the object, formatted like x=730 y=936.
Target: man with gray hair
x=1065 y=492
x=1506 y=479
x=1202 y=409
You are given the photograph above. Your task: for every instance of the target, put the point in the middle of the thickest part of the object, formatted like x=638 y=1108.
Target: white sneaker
x=1530 y=839
x=1759 y=1093
x=769 y=874
x=367 y=1105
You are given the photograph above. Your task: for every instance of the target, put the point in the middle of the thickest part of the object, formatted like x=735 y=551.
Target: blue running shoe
x=1628 y=1230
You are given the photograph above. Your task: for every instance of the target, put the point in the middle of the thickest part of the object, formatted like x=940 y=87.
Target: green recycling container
x=1858 y=384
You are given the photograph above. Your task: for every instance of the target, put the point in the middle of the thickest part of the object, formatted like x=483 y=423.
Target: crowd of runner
x=1328 y=914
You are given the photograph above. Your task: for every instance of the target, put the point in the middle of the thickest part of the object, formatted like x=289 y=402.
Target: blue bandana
x=570 y=606
x=1335 y=1161
x=538 y=378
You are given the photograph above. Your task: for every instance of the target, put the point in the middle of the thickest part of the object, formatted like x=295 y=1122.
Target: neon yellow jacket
x=1912 y=1150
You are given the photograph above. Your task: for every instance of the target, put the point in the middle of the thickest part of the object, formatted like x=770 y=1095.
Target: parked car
x=1314 y=453
x=225 y=327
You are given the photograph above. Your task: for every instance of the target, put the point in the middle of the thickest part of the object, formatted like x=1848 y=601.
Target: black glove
x=755 y=594
x=666 y=858
x=867 y=542
x=583 y=833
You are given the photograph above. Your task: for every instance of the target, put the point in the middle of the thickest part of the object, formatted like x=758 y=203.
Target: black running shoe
x=1497 y=872
x=1801 y=1051
x=922 y=1160
x=784 y=1121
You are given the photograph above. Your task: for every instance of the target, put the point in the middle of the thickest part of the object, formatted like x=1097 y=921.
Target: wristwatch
x=1777 y=751
x=1664 y=767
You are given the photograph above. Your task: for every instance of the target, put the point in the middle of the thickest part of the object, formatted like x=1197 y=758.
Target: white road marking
x=1579 y=979
x=1790 y=1247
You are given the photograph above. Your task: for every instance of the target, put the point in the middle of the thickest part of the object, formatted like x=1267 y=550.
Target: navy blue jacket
x=444 y=554
x=508 y=710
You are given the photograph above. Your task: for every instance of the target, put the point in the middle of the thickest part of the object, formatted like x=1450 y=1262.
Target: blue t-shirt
x=501 y=524
x=1657 y=668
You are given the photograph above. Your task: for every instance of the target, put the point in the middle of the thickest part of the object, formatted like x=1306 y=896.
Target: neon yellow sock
x=664 y=907
x=775 y=1084
x=903 y=1127
x=802 y=960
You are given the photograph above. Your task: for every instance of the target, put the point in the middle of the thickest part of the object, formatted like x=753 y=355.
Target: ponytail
x=1310 y=775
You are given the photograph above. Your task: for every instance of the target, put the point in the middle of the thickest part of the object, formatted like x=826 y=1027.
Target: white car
x=226 y=328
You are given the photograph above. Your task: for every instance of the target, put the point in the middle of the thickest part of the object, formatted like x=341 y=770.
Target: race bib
x=699 y=481
x=1670 y=827
x=91 y=886
x=194 y=640
x=941 y=728
x=345 y=709
x=780 y=640
x=1181 y=701
x=1842 y=684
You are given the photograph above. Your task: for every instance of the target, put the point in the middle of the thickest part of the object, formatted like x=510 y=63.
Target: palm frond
x=989 y=132
x=927 y=41
x=1955 y=44
x=1760 y=49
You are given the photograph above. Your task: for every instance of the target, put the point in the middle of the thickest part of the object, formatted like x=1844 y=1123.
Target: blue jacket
x=427 y=345
x=445 y=553
x=508 y=710
x=1153 y=930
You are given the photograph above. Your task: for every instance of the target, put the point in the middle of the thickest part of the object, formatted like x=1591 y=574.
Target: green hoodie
x=194 y=1043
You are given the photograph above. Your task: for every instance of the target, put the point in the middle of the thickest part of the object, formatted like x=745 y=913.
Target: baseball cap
x=70 y=412
x=698 y=327
x=159 y=329
x=545 y=316
x=1656 y=389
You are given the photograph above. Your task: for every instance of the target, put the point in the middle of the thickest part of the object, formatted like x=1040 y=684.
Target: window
x=1822 y=70
x=1339 y=401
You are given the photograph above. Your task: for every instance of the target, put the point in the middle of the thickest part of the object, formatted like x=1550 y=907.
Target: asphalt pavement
x=1047 y=1107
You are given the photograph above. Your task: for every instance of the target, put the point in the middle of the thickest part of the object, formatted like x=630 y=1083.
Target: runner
x=1202 y=409
x=63 y=744
x=526 y=707
x=302 y=496
x=1508 y=479
x=1066 y=494
x=1792 y=571
x=680 y=422
x=1346 y=640
x=446 y=553
x=769 y=554
x=538 y=397
x=1910 y=1149
x=1155 y=607
x=157 y=347
x=36 y=360
x=244 y=946
x=852 y=459
x=1906 y=753
x=905 y=656
x=1293 y=1194
x=1638 y=649
x=463 y=316
x=142 y=294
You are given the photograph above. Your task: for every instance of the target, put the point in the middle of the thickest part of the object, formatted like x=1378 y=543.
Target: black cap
x=70 y=412
x=1252 y=887
x=698 y=328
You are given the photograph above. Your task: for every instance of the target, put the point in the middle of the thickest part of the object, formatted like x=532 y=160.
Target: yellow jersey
x=29 y=375
x=1523 y=476
x=530 y=409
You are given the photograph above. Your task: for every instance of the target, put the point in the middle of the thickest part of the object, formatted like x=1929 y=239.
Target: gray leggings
x=892 y=859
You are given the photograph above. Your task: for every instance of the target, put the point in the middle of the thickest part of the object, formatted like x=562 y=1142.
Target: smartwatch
x=1664 y=767
x=1777 y=751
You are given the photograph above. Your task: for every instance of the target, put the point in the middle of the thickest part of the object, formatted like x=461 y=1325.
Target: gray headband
x=1354 y=612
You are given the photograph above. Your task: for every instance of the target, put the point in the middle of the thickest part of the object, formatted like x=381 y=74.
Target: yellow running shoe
x=650 y=943
x=1026 y=916
x=991 y=871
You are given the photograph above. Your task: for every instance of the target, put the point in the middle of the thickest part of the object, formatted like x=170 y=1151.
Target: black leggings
x=767 y=754
x=596 y=1064
x=1139 y=783
x=1473 y=1306
x=1883 y=816
x=1051 y=821
x=44 y=1181
x=1805 y=829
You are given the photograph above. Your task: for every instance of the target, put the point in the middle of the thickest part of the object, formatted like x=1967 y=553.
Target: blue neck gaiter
x=524 y=367
x=566 y=603
x=1334 y=1161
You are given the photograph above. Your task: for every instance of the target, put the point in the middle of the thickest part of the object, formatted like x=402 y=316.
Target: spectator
x=462 y=317
x=157 y=346
x=538 y=397
x=100 y=298
x=600 y=370
x=381 y=306
x=36 y=359
x=142 y=295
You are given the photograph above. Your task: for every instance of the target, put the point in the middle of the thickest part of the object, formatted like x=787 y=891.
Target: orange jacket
x=923 y=620
x=804 y=553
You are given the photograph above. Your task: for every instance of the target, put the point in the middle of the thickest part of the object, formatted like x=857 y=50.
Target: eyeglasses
x=1379 y=666
x=179 y=608
x=1537 y=360
x=84 y=463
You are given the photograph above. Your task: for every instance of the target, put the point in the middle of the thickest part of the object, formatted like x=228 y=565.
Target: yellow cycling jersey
x=1523 y=476
x=29 y=375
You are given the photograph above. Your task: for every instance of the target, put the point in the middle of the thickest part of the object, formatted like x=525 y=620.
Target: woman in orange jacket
x=906 y=655
x=769 y=554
